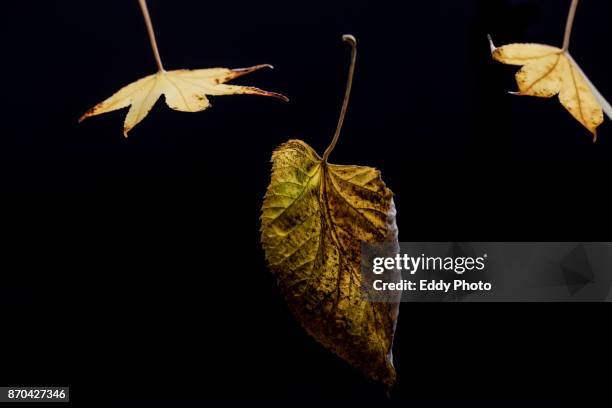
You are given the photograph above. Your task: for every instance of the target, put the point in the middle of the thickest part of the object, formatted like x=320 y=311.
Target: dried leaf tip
x=491 y=45
x=238 y=72
x=243 y=71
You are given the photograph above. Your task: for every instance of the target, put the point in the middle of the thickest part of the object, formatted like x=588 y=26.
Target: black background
x=132 y=268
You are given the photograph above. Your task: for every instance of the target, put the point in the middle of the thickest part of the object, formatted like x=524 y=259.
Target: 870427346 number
x=51 y=394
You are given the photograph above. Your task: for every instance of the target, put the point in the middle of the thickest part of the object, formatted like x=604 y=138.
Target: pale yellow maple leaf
x=184 y=90
x=548 y=71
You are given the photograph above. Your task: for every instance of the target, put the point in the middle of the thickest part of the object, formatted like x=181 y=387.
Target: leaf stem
x=149 y=24
x=349 y=84
x=569 y=24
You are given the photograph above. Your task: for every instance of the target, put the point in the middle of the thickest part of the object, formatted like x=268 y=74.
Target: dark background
x=132 y=268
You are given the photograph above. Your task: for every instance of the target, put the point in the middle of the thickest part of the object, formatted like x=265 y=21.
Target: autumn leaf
x=184 y=90
x=548 y=71
x=315 y=216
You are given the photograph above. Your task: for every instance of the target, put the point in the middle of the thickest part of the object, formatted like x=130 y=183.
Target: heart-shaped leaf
x=315 y=217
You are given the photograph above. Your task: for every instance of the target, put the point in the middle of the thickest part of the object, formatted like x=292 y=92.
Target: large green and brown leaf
x=315 y=218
